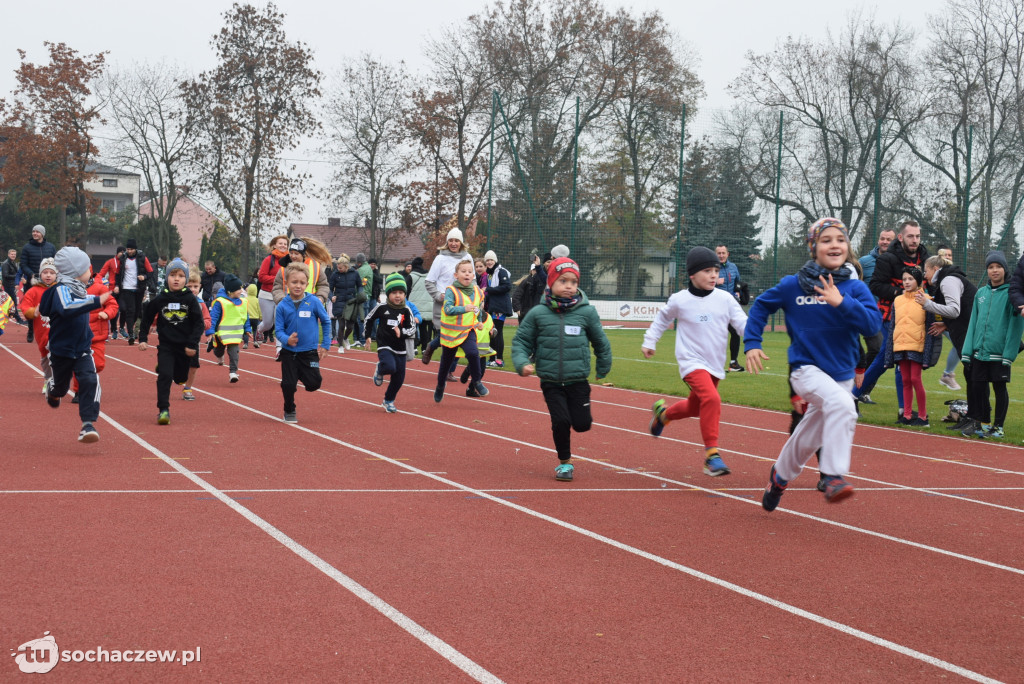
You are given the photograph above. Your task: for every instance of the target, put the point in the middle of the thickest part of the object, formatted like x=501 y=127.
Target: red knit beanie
x=560 y=266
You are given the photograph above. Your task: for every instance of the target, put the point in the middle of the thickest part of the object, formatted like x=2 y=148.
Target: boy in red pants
x=704 y=315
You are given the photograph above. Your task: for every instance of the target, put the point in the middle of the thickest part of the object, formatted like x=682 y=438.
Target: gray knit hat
x=41 y=228
x=72 y=261
x=997 y=257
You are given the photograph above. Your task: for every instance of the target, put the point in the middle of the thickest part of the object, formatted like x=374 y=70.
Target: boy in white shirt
x=704 y=314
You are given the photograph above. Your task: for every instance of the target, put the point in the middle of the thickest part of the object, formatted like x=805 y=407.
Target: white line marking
x=793 y=610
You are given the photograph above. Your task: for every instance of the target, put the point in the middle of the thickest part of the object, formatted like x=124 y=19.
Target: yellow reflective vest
x=231 y=325
x=483 y=341
x=455 y=328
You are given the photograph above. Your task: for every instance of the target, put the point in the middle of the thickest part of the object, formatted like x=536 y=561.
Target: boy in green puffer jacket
x=990 y=348
x=553 y=341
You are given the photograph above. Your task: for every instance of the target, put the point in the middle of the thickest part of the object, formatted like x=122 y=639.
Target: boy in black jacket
x=396 y=326
x=179 y=324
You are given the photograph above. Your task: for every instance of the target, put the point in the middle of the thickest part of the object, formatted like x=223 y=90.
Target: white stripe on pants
x=829 y=423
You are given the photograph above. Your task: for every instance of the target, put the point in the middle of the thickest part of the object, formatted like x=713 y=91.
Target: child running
x=463 y=302
x=704 y=314
x=229 y=318
x=553 y=341
x=67 y=306
x=826 y=312
x=912 y=346
x=179 y=326
x=99 y=321
x=397 y=325
x=300 y=321
x=991 y=347
x=40 y=324
x=195 y=286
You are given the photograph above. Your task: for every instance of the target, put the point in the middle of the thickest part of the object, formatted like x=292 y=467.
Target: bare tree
x=252 y=107
x=154 y=136
x=832 y=92
x=365 y=118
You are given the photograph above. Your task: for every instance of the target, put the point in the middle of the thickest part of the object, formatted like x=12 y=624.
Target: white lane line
x=433 y=642
x=743 y=591
x=551 y=490
x=646 y=435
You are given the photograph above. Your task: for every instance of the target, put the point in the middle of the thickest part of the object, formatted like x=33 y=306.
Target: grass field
x=770 y=390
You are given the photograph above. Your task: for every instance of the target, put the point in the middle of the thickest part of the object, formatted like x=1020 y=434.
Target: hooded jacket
x=887 y=281
x=558 y=343
x=67 y=305
x=179 y=318
x=499 y=291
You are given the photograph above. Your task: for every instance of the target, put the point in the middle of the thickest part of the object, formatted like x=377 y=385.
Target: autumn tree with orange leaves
x=46 y=138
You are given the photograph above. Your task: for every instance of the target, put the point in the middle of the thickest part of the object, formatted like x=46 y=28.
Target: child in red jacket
x=99 y=321
x=40 y=324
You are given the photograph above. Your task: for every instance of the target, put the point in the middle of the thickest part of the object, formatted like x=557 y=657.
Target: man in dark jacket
x=886 y=285
x=134 y=275
x=32 y=255
x=211 y=276
x=10 y=271
x=1016 y=292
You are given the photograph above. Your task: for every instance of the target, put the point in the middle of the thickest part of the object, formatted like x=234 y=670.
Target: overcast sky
x=719 y=32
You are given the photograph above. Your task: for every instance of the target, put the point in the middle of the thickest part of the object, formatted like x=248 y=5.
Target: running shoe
x=439 y=393
x=88 y=435
x=53 y=401
x=74 y=399
x=715 y=466
x=187 y=395
x=735 y=367
x=994 y=433
x=232 y=377
x=658 y=421
x=949 y=380
x=389 y=406
x=773 y=492
x=919 y=422
x=245 y=345
x=290 y=418
x=428 y=353
x=164 y=418
x=256 y=344
x=378 y=379
x=357 y=345
x=821 y=482
x=866 y=399
x=969 y=430
x=499 y=363
x=563 y=473
x=837 y=489
x=480 y=389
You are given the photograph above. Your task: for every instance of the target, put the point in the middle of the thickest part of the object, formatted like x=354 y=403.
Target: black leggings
x=498 y=339
x=979 y=406
x=569 y=406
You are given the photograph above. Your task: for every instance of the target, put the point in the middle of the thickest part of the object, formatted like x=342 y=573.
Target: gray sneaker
x=949 y=380
x=290 y=418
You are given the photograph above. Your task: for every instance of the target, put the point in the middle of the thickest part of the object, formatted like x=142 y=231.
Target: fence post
x=878 y=180
x=778 y=191
x=490 y=168
x=679 y=203
x=967 y=202
x=575 y=163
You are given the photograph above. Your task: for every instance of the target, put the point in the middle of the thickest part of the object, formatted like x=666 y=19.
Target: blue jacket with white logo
x=820 y=334
x=307 y=317
x=70 y=333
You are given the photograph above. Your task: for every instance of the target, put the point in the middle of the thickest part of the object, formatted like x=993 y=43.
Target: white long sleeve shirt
x=703 y=331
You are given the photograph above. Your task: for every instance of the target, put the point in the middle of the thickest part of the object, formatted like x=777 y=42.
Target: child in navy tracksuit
x=397 y=326
x=826 y=313
x=67 y=305
x=300 y=320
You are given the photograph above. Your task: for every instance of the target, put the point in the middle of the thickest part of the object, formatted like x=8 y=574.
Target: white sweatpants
x=828 y=424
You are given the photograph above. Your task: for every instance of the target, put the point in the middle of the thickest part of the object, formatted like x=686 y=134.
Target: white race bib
x=173 y=306
x=573 y=330
x=305 y=314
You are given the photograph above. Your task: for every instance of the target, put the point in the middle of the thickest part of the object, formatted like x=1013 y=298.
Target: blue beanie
x=178 y=265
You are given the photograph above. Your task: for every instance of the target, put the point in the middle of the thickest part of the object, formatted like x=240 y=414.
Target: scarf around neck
x=810 y=272
x=74 y=284
x=560 y=304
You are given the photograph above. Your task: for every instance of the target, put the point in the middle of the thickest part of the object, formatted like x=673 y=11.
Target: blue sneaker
x=715 y=466
x=480 y=389
x=563 y=473
x=389 y=406
x=658 y=420
x=378 y=379
x=439 y=393
x=773 y=492
x=837 y=489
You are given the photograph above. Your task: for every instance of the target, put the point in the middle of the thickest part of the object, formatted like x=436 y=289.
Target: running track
x=435 y=544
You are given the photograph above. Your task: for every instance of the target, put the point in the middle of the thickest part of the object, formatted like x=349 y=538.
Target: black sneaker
x=471 y=391
x=735 y=367
x=74 y=399
x=773 y=492
x=919 y=422
x=968 y=430
x=822 y=481
x=960 y=424
x=902 y=420
x=438 y=394
x=88 y=435
x=866 y=399
x=290 y=417
x=53 y=401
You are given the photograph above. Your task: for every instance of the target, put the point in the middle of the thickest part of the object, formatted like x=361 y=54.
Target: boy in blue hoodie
x=67 y=305
x=229 y=318
x=300 y=320
x=826 y=313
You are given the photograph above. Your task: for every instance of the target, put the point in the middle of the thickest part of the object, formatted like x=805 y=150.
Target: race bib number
x=573 y=330
x=305 y=314
x=393 y=322
x=703 y=318
x=173 y=306
x=314 y=364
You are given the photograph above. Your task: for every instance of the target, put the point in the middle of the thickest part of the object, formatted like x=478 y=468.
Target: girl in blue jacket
x=826 y=313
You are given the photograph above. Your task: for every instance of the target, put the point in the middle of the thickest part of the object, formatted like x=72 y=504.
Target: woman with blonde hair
x=346 y=286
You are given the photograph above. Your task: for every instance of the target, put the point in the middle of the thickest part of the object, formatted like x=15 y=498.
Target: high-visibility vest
x=5 y=309
x=455 y=328
x=233 y=316
x=483 y=341
x=315 y=269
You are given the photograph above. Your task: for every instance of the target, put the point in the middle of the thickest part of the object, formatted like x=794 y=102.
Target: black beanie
x=232 y=283
x=699 y=258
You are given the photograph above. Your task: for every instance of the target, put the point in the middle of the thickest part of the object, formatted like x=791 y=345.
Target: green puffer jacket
x=994 y=332
x=558 y=344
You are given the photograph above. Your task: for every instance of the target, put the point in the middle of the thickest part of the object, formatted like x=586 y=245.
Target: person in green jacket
x=991 y=346
x=553 y=341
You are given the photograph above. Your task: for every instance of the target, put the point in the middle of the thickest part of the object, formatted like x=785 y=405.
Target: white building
x=115 y=189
